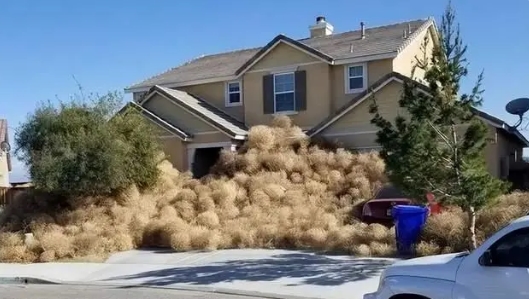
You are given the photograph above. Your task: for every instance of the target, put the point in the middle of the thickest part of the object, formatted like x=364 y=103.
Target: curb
x=26 y=280
x=212 y=290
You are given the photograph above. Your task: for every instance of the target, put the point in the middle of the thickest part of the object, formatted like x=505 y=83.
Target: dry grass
x=279 y=191
x=446 y=232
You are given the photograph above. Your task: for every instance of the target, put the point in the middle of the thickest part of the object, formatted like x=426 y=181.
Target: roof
x=158 y=121
x=4 y=136
x=203 y=110
x=395 y=76
x=504 y=127
x=380 y=40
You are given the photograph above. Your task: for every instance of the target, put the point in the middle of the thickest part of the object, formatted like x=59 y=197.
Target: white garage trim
x=207 y=133
x=209 y=144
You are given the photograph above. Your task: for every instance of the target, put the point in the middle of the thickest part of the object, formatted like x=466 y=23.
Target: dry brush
x=279 y=191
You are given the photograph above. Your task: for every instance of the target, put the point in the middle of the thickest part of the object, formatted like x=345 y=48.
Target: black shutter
x=301 y=90
x=268 y=94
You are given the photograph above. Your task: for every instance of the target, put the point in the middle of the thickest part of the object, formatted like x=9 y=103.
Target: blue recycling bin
x=409 y=221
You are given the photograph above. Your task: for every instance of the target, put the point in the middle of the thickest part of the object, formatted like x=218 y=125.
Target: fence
x=8 y=194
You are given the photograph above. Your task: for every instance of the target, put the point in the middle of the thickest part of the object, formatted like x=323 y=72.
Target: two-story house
x=5 y=160
x=322 y=82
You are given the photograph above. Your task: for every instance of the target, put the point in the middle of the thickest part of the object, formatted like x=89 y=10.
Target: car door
x=503 y=272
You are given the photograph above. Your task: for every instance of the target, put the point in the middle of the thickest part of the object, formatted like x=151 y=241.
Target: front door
x=505 y=276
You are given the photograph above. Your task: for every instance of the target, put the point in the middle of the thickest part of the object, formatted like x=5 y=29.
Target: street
x=101 y=292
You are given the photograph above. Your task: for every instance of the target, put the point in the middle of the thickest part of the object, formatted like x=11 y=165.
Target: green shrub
x=83 y=148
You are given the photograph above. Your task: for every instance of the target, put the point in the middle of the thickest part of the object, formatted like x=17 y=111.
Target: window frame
x=494 y=246
x=348 y=89
x=227 y=94
x=293 y=111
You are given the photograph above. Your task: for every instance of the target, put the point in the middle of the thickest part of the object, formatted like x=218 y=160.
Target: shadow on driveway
x=307 y=269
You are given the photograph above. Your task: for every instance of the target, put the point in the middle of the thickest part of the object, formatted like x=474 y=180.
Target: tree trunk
x=472 y=228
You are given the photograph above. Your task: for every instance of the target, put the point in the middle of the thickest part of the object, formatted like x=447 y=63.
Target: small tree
x=82 y=148
x=438 y=145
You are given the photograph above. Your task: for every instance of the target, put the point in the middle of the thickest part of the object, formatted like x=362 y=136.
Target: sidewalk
x=270 y=273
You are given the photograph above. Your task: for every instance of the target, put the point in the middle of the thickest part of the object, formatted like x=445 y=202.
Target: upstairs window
x=284 y=92
x=355 y=78
x=233 y=94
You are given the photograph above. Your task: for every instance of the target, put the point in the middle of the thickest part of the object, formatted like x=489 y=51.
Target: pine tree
x=438 y=145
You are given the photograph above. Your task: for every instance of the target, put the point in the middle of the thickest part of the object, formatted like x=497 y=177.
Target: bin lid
x=409 y=209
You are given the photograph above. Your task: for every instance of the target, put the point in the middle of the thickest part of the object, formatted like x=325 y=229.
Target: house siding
x=4 y=172
x=406 y=59
x=317 y=95
x=215 y=94
x=176 y=152
x=211 y=138
x=283 y=55
x=359 y=118
x=177 y=116
x=355 y=131
x=375 y=70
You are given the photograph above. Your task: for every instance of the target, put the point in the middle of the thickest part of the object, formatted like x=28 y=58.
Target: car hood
x=442 y=266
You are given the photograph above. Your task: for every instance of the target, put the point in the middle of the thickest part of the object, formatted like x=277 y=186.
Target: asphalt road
x=99 y=292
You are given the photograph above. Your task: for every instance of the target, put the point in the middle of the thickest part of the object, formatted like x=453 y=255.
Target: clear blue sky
x=107 y=45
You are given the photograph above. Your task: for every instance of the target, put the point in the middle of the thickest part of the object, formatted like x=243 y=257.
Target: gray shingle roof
x=205 y=111
x=378 y=40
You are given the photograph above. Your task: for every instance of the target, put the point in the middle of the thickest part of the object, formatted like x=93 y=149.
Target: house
x=5 y=160
x=322 y=82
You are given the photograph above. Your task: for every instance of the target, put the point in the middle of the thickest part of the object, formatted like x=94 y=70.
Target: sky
x=50 y=46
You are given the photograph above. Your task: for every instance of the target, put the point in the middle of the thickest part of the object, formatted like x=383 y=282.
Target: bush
x=79 y=149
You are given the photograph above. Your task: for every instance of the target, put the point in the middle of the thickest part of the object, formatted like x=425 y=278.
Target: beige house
x=5 y=160
x=322 y=82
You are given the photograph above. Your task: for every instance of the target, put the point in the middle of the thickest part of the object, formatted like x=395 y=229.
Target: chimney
x=363 y=29
x=321 y=28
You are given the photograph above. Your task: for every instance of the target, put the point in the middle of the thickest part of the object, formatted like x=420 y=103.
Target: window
x=284 y=92
x=355 y=78
x=233 y=94
x=512 y=250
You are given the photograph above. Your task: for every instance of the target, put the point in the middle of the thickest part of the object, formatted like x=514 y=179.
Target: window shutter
x=301 y=90
x=268 y=94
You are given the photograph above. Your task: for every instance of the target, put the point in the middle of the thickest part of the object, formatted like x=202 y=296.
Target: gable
x=358 y=119
x=406 y=59
x=283 y=54
x=176 y=115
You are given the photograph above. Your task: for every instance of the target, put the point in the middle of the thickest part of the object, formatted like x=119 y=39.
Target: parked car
x=499 y=268
x=378 y=209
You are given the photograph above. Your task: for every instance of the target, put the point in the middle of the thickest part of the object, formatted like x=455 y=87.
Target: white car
x=499 y=268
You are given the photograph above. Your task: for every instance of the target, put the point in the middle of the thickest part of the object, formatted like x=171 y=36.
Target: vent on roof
x=321 y=28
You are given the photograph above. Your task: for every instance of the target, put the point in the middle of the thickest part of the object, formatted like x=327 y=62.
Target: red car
x=378 y=210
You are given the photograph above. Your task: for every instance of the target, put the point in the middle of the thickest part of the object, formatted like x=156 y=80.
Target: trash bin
x=409 y=221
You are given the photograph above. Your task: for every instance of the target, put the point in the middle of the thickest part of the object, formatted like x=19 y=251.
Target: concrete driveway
x=269 y=273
